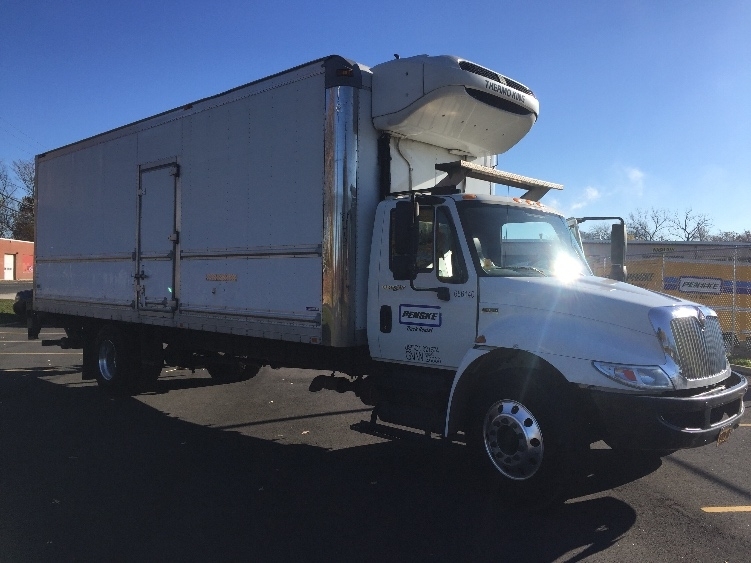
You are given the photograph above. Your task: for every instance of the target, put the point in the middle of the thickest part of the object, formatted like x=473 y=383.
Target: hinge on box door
x=174 y=237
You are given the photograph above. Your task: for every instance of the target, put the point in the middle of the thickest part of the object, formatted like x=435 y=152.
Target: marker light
x=641 y=377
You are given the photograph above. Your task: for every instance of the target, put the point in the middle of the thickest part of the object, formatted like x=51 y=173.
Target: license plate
x=724 y=435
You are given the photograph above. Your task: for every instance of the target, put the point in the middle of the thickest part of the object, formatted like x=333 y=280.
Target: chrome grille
x=701 y=351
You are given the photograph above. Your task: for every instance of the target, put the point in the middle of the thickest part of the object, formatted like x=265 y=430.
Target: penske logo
x=420 y=315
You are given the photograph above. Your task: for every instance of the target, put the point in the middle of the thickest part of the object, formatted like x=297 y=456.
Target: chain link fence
x=717 y=275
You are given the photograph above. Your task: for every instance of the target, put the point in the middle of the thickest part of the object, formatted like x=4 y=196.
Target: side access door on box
x=158 y=238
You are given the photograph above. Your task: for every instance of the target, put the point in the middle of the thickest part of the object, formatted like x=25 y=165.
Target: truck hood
x=586 y=297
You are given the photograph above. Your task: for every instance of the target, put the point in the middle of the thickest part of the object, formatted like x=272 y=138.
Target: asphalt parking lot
x=266 y=471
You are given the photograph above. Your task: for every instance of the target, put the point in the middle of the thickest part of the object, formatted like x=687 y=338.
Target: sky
x=643 y=104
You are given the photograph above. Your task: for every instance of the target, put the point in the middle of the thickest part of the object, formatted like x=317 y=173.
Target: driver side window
x=438 y=246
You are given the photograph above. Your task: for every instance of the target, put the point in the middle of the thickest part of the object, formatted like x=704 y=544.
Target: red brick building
x=18 y=259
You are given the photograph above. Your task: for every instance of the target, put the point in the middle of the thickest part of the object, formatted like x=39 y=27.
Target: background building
x=716 y=274
x=18 y=259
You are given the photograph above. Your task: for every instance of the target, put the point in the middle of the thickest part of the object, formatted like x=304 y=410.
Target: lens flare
x=566 y=267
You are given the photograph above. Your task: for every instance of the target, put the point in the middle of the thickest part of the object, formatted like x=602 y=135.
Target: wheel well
x=502 y=363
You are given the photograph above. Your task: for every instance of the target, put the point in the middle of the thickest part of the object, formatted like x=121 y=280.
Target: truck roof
x=189 y=105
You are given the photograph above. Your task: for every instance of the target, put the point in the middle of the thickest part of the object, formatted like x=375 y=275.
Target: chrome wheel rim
x=513 y=440
x=107 y=360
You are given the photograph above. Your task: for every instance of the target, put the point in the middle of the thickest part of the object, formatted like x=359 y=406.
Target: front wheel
x=513 y=440
x=522 y=440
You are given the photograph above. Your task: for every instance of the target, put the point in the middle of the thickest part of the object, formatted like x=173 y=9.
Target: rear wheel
x=116 y=360
x=522 y=440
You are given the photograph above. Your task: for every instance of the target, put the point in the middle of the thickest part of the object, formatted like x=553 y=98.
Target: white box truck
x=339 y=217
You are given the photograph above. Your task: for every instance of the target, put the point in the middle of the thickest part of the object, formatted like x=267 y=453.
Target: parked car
x=22 y=303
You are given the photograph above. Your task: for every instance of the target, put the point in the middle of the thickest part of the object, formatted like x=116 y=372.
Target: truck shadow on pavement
x=87 y=477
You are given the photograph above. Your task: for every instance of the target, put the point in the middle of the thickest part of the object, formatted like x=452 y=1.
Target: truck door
x=416 y=326
x=158 y=238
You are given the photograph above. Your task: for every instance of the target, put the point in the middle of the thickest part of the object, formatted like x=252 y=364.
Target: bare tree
x=16 y=210
x=648 y=225
x=690 y=226
x=731 y=236
x=25 y=171
x=598 y=232
x=23 y=223
x=7 y=207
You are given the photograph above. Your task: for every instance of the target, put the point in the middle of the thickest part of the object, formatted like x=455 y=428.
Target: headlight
x=640 y=377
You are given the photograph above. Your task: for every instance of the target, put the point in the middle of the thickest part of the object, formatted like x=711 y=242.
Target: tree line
x=17 y=200
x=657 y=224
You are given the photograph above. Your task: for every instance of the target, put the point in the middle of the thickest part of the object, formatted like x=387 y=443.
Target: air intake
x=482 y=71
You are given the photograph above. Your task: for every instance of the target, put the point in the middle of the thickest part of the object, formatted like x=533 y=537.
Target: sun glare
x=566 y=267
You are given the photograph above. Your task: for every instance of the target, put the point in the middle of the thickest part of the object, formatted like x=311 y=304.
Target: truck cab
x=493 y=298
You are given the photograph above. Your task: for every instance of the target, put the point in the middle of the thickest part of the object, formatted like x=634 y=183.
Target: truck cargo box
x=225 y=213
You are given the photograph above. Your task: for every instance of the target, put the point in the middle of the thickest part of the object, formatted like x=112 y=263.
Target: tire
x=522 y=442
x=117 y=361
x=230 y=370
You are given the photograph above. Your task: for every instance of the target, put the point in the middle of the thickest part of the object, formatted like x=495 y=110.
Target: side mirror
x=404 y=228
x=405 y=241
x=618 y=252
x=403 y=268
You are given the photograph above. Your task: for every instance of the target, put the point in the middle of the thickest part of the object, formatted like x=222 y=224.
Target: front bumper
x=670 y=422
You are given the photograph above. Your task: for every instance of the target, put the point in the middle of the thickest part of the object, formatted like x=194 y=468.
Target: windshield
x=514 y=241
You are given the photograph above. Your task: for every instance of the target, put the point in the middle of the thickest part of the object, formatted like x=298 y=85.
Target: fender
x=469 y=359
x=476 y=363
x=566 y=343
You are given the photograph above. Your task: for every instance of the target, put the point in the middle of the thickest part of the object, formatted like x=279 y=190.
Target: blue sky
x=643 y=103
